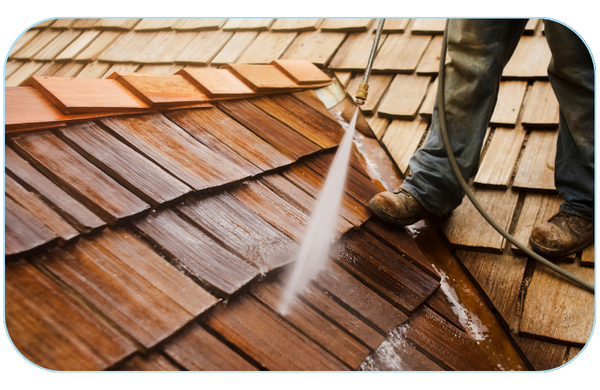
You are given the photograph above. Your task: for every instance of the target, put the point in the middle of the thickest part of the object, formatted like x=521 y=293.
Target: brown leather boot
x=399 y=208
x=563 y=234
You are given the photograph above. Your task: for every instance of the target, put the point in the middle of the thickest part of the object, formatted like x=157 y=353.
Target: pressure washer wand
x=363 y=88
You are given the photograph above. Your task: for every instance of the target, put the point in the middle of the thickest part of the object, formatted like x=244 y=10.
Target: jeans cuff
x=566 y=208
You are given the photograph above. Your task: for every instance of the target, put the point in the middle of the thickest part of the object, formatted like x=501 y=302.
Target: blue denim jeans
x=479 y=50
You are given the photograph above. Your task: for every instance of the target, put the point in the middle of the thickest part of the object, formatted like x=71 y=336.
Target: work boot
x=563 y=234
x=399 y=208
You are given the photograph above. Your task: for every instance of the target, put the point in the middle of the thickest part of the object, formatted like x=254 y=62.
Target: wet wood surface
x=468 y=303
x=268 y=339
x=325 y=303
x=221 y=271
x=542 y=354
x=302 y=200
x=229 y=132
x=499 y=161
x=384 y=270
x=152 y=362
x=397 y=354
x=398 y=238
x=312 y=183
x=138 y=174
x=198 y=350
x=272 y=208
x=134 y=300
x=278 y=134
x=359 y=186
x=369 y=305
x=557 y=309
x=176 y=151
x=241 y=230
x=440 y=303
x=40 y=210
x=302 y=118
x=536 y=167
x=24 y=233
x=70 y=209
x=80 y=178
x=53 y=329
x=188 y=119
x=314 y=325
x=447 y=346
x=87 y=95
x=310 y=98
x=144 y=261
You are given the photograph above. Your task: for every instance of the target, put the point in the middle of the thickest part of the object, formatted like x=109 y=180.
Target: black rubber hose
x=444 y=130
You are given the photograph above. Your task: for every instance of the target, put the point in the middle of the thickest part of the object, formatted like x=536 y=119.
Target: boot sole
x=550 y=253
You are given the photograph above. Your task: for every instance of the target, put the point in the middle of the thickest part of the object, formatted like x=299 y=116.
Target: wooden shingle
x=70 y=209
x=130 y=284
x=404 y=97
x=176 y=151
x=79 y=177
x=316 y=47
x=136 y=173
x=220 y=271
x=55 y=330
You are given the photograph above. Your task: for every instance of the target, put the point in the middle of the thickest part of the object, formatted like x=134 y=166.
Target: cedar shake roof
x=160 y=174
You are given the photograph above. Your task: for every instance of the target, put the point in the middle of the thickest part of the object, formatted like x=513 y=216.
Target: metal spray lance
x=363 y=88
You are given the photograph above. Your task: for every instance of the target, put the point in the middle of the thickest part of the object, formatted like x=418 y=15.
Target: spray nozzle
x=361 y=94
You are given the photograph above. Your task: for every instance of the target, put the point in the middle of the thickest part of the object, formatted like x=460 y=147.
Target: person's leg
x=479 y=49
x=571 y=73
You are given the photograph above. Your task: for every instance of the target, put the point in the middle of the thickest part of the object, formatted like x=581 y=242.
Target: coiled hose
x=444 y=130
